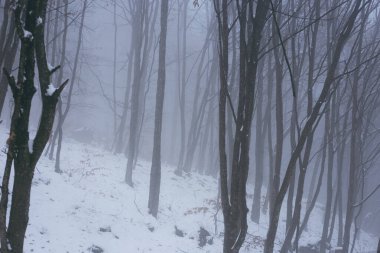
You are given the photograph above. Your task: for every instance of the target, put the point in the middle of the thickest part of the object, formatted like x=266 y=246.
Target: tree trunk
x=136 y=90
x=155 y=173
x=114 y=97
x=259 y=150
x=9 y=59
x=123 y=121
x=329 y=188
x=4 y=28
x=7 y=51
x=182 y=90
x=18 y=219
x=356 y=135
x=315 y=195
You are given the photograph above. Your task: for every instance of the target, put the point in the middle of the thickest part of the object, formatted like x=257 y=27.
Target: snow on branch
x=52 y=70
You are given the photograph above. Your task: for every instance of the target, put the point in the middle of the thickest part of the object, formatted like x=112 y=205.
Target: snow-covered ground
x=89 y=206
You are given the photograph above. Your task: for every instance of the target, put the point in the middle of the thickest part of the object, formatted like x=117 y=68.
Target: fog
x=190 y=126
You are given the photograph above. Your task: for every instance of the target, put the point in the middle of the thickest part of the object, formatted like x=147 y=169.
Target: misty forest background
x=277 y=100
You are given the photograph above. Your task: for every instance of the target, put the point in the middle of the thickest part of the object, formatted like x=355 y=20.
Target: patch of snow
x=30 y=145
x=50 y=67
x=28 y=35
x=50 y=90
x=39 y=21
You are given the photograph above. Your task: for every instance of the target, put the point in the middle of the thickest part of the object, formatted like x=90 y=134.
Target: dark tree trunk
x=18 y=219
x=25 y=160
x=234 y=204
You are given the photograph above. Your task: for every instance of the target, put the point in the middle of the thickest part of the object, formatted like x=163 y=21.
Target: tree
x=62 y=114
x=259 y=150
x=199 y=107
x=136 y=89
x=278 y=68
x=144 y=15
x=362 y=90
x=29 y=19
x=182 y=82
x=58 y=131
x=155 y=173
x=234 y=201
x=310 y=124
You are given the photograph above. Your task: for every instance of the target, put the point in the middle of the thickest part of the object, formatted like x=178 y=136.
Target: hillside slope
x=90 y=208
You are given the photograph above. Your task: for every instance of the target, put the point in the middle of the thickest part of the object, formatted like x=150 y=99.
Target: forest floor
x=89 y=208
